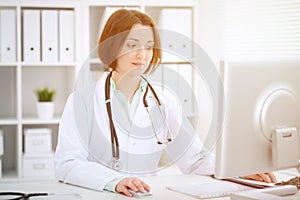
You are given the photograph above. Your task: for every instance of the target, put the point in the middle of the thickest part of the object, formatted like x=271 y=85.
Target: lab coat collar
x=100 y=87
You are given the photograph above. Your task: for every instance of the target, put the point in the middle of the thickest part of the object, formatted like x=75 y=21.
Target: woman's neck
x=127 y=84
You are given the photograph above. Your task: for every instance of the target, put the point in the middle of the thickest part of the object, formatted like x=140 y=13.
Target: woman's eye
x=149 y=47
x=131 y=45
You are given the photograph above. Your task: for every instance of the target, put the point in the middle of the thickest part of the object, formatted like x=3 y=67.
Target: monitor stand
x=274 y=193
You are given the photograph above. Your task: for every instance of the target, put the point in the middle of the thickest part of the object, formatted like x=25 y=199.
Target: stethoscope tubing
x=26 y=196
x=114 y=137
x=21 y=196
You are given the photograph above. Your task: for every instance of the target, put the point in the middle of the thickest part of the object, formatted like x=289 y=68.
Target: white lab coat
x=83 y=153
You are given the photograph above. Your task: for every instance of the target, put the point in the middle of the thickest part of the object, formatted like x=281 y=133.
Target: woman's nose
x=141 y=53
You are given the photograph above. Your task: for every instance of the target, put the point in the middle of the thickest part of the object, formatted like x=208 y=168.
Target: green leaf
x=44 y=94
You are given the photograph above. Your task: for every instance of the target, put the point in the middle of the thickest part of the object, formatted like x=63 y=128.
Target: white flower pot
x=45 y=110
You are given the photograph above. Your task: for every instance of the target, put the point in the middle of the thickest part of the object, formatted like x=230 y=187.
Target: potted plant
x=45 y=105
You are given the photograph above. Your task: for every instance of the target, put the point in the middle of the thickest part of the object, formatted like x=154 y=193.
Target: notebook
x=225 y=187
x=209 y=189
x=251 y=183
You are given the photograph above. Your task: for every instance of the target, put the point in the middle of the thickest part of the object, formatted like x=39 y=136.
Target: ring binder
x=7 y=35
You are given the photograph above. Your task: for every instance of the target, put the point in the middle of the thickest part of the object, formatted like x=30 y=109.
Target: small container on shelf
x=0 y=167
x=38 y=154
x=37 y=140
x=45 y=105
x=1 y=150
x=1 y=143
x=38 y=166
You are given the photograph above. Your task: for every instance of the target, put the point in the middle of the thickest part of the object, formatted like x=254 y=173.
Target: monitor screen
x=260 y=96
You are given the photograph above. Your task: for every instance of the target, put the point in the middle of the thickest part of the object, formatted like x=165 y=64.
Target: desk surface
x=158 y=185
x=158 y=188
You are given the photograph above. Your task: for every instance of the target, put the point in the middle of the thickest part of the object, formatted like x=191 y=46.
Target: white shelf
x=94 y=61
x=115 y=3
x=43 y=64
x=19 y=79
x=97 y=61
x=9 y=176
x=170 y=4
x=12 y=64
x=34 y=121
x=156 y=3
x=8 y=121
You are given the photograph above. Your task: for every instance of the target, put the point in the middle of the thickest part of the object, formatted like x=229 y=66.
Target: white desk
x=158 y=188
x=158 y=185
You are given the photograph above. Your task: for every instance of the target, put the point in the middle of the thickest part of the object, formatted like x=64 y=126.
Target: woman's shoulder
x=90 y=88
x=165 y=93
x=168 y=98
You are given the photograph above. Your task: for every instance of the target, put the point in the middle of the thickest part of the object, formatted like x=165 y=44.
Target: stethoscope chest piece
x=115 y=164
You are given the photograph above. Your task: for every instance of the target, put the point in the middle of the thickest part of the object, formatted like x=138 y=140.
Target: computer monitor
x=261 y=101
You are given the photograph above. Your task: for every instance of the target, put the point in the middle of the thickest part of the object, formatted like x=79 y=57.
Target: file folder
x=176 y=34
x=179 y=77
x=184 y=25
x=7 y=35
x=66 y=35
x=107 y=13
x=49 y=35
x=31 y=35
x=185 y=88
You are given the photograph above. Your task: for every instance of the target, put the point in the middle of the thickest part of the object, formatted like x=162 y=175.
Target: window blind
x=260 y=27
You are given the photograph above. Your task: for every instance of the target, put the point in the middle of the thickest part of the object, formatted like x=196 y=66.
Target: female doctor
x=115 y=131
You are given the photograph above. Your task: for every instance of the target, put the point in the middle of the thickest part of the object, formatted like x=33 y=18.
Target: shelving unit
x=19 y=78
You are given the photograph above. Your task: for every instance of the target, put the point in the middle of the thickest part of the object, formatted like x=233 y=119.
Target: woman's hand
x=268 y=177
x=132 y=183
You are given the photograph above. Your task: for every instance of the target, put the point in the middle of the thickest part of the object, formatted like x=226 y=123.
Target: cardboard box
x=1 y=143
x=39 y=167
x=38 y=140
x=0 y=168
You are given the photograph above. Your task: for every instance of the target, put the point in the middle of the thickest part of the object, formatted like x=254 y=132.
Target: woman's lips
x=139 y=64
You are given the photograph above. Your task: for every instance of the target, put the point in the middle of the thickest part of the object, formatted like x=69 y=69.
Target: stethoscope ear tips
x=168 y=140
x=159 y=142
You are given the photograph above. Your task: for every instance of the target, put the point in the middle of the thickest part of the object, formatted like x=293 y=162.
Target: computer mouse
x=139 y=194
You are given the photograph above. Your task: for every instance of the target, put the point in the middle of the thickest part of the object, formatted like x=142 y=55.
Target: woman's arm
x=71 y=163
x=190 y=155
x=185 y=150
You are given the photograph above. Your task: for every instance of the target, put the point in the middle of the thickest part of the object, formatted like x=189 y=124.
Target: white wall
x=208 y=28
x=207 y=35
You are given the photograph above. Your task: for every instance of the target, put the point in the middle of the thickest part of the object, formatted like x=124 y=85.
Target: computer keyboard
x=293 y=181
x=215 y=188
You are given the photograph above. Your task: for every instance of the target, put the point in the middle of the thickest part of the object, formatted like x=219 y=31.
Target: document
x=225 y=187
x=181 y=82
x=176 y=34
x=251 y=183
x=8 y=35
x=106 y=14
x=185 y=90
x=66 y=35
x=49 y=35
x=31 y=35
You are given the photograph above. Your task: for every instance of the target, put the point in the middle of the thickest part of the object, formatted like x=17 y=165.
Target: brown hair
x=116 y=31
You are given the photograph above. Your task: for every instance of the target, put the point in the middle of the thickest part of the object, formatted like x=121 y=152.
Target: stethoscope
x=115 y=164
x=26 y=196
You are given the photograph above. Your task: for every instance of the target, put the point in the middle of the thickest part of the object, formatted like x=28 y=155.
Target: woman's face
x=137 y=51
